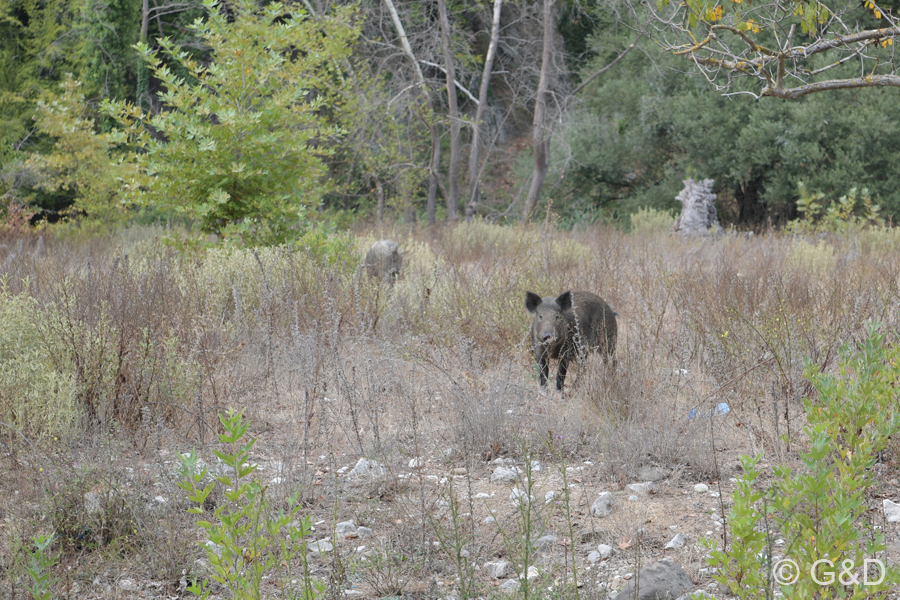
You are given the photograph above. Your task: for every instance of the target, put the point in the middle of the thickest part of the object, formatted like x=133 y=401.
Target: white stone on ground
x=504 y=475
x=367 y=468
x=891 y=511
x=603 y=505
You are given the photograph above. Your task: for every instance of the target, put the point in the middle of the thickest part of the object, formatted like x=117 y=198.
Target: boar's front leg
x=543 y=360
x=562 y=369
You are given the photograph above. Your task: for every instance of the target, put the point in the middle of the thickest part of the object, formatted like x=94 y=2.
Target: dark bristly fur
x=565 y=325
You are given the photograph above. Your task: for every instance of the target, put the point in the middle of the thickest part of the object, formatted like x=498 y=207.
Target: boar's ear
x=564 y=301
x=532 y=301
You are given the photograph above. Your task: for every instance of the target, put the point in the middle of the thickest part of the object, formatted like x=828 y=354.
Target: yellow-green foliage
x=530 y=242
x=36 y=396
x=81 y=160
x=648 y=221
x=880 y=237
x=816 y=259
x=853 y=211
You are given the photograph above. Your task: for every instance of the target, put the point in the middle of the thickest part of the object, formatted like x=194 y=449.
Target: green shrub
x=37 y=396
x=247 y=538
x=648 y=221
x=855 y=210
x=244 y=136
x=820 y=512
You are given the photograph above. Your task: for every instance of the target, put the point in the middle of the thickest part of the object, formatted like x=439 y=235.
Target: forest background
x=334 y=112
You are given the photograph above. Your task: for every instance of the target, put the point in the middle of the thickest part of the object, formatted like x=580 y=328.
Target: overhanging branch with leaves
x=785 y=45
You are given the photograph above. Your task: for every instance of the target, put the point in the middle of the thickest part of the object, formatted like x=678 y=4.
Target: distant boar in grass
x=384 y=260
x=567 y=326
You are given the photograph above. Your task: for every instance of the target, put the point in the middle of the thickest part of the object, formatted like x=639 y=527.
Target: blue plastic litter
x=722 y=408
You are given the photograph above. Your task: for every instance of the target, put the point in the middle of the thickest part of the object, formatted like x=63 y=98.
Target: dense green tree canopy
x=644 y=127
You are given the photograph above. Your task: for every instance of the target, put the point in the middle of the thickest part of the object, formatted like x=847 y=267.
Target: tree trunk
x=379 y=196
x=434 y=165
x=474 y=174
x=453 y=187
x=435 y=138
x=540 y=140
x=143 y=74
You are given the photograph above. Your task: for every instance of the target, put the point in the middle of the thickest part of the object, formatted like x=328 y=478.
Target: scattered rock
x=675 y=542
x=653 y=473
x=519 y=497
x=891 y=511
x=367 y=468
x=545 y=541
x=211 y=545
x=533 y=573
x=416 y=463
x=504 y=475
x=605 y=551
x=594 y=557
x=321 y=546
x=490 y=519
x=364 y=532
x=442 y=504
x=509 y=586
x=662 y=579
x=536 y=466
x=550 y=496
x=497 y=570
x=641 y=488
x=603 y=505
x=345 y=528
x=632 y=498
x=482 y=496
x=458 y=471
x=701 y=488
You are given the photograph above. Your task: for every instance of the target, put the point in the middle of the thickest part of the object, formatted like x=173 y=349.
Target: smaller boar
x=384 y=260
x=566 y=325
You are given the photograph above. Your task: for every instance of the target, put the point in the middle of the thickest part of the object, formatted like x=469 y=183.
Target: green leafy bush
x=247 y=538
x=240 y=145
x=81 y=162
x=853 y=210
x=820 y=511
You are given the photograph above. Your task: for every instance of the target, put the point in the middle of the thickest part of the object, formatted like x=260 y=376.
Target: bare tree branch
x=597 y=74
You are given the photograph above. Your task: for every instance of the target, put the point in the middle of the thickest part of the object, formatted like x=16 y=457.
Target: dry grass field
x=118 y=354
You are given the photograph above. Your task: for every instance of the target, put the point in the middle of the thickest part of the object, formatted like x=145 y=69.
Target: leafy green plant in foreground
x=39 y=567
x=820 y=512
x=247 y=538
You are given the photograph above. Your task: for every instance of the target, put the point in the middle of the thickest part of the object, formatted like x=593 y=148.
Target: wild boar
x=566 y=326
x=384 y=260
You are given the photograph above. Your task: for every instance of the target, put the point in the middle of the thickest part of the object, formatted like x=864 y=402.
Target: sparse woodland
x=204 y=392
